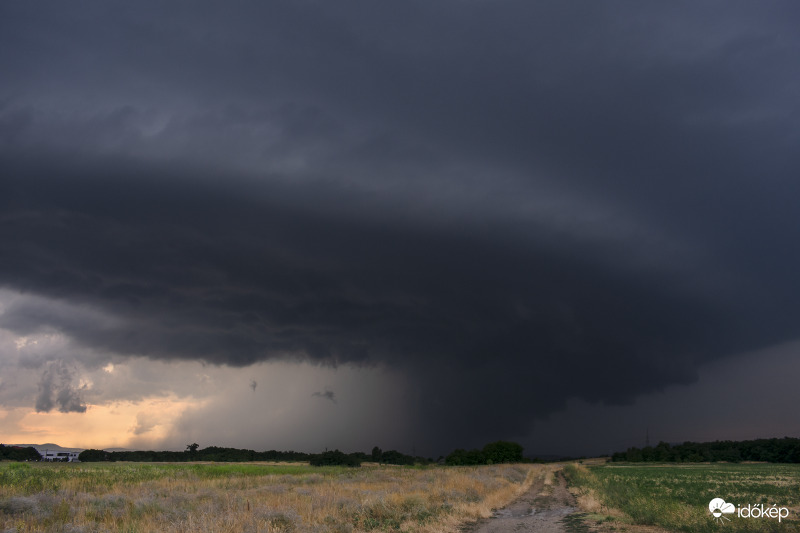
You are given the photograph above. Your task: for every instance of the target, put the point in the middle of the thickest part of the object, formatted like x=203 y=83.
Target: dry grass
x=589 y=501
x=252 y=498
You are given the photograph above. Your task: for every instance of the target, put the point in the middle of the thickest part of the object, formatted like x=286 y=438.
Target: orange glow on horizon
x=102 y=426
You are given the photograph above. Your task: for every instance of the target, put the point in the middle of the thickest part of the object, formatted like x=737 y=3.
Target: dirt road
x=540 y=509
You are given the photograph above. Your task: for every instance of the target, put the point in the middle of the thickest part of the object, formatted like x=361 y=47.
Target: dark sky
x=511 y=214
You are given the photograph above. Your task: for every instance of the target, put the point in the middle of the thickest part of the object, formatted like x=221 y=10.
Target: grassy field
x=676 y=497
x=148 y=497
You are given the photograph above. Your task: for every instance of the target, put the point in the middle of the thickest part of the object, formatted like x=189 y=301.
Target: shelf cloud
x=512 y=206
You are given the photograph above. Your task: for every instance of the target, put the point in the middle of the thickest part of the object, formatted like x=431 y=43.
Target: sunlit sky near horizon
x=416 y=225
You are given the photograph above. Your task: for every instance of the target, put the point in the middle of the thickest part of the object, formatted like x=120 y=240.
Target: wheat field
x=147 y=497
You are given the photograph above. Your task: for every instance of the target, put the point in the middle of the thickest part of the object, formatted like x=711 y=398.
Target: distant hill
x=55 y=447
x=48 y=446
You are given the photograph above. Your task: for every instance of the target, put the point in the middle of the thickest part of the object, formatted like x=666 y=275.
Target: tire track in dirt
x=541 y=509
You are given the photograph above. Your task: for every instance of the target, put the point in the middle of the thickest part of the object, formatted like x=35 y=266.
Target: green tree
x=460 y=457
x=15 y=453
x=89 y=456
x=393 y=457
x=377 y=454
x=503 y=452
x=334 y=457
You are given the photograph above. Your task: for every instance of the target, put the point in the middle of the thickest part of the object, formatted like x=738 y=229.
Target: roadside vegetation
x=676 y=497
x=147 y=497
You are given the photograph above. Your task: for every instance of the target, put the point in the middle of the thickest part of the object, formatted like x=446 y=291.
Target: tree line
x=17 y=453
x=193 y=453
x=785 y=450
x=492 y=453
x=222 y=455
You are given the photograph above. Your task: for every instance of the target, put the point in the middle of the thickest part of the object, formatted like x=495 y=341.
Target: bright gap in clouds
x=112 y=425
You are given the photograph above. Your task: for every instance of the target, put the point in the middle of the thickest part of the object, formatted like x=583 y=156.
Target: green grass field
x=31 y=478
x=676 y=497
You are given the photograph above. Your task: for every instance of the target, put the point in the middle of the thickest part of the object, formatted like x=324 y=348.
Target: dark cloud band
x=514 y=205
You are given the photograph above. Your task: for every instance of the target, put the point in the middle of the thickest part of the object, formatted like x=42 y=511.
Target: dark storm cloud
x=327 y=394
x=516 y=204
x=56 y=390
